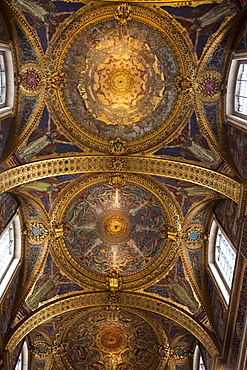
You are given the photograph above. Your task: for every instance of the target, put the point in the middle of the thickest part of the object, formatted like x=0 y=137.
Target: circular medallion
x=121 y=81
x=111 y=339
x=108 y=227
x=115 y=226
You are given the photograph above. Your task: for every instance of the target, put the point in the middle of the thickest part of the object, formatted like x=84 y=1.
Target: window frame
x=22 y=361
x=13 y=265
x=233 y=116
x=7 y=108
x=198 y=359
x=212 y=263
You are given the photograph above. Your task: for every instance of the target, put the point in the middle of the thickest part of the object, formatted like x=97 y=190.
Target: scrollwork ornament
x=57 y=80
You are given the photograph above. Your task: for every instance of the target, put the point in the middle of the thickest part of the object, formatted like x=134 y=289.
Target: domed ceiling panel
x=110 y=340
x=126 y=82
x=123 y=77
x=115 y=228
x=107 y=227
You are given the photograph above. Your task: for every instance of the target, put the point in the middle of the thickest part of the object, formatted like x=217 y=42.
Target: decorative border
x=221 y=183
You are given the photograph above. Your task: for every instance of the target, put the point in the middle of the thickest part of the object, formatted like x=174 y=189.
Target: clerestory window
x=236 y=98
x=198 y=363
x=6 y=80
x=221 y=259
x=10 y=252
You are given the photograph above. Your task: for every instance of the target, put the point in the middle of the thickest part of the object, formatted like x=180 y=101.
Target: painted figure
x=42 y=16
x=34 y=147
x=202 y=23
x=179 y=288
x=188 y=142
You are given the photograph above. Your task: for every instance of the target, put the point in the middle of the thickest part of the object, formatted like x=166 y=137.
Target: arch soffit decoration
x=221 y=183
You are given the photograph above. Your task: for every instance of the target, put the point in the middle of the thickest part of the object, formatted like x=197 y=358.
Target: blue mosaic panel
x=27 y=107
x=33 y=255
x=217 y=58
x=26 y=50
x=211 y=113
x=195 y=261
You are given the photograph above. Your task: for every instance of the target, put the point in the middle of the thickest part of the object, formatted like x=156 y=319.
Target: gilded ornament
x=117 y=164
x=123 y=13
x=118 y=146
x=113 y=301
x=184 y=83
x=30 y=79
x=169 y=232
x=194 y=235
x=114 y=280
x=57 y=80
x=59 y=231
x=149 y=166
x=41 y=350
x=36 y=232
x=117 y=179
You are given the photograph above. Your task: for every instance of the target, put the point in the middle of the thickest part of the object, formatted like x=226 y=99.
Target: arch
x=19 y=175
x=100 y=299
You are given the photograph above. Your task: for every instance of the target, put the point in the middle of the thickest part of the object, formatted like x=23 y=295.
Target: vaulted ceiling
x=118 y=155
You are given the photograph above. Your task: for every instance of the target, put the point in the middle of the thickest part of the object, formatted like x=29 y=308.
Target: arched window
x=221 y=259
x=236 y=98
x=6 y=79
x=10 y=252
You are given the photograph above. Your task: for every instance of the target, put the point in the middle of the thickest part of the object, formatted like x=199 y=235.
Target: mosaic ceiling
x=117 y=158
x=122 y=81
